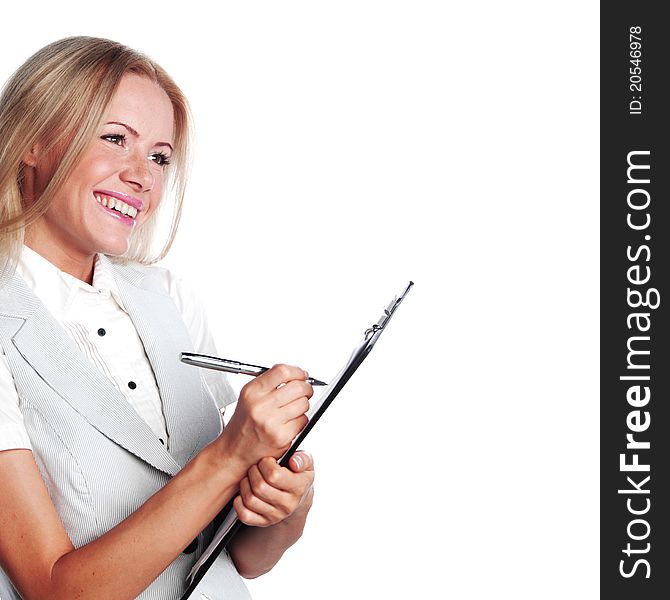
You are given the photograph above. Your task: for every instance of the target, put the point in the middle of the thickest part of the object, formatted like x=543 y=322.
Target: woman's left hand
x=270 y=494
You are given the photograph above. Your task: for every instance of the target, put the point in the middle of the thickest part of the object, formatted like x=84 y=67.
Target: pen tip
x=316 y=381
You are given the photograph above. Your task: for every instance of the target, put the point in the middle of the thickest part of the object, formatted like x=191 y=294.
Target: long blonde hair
x=61 y=94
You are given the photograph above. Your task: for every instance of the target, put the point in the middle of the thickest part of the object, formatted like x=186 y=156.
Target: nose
x=137 y=173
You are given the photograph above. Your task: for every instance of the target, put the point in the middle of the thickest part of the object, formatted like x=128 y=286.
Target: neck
x=79 y=265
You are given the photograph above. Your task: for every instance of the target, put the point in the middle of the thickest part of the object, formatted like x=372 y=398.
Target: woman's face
x=118 y=182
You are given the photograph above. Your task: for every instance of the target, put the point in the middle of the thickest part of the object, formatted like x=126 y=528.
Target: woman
x=112 y=460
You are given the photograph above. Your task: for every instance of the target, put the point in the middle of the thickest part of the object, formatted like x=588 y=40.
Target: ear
x=31 y=157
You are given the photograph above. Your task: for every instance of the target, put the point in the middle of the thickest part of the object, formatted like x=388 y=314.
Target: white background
x=342 y=149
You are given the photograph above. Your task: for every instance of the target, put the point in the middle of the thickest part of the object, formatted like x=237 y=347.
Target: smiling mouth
x=117 y=205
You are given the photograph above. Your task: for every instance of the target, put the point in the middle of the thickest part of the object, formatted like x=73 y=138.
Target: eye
x=116 y=138
x=160 y=159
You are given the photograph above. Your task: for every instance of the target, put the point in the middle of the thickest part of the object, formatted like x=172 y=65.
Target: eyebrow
x=136 y=134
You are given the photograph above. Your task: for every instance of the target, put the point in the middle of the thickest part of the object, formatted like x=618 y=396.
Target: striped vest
x=99 y=460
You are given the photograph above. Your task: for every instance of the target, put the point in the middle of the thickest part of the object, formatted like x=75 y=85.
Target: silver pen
x=230 y=366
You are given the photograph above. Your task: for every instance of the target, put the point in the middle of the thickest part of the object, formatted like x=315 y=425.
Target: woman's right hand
x=269 y=415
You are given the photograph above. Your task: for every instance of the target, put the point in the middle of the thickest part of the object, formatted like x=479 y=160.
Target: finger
x=259 y=502
x=297 y=424
x=291 y=428
x=292 y=390
x=301 y=461
x=294 y=409
x=271 y=493
x=290 y=484
x=279 y=374
x=249 y=517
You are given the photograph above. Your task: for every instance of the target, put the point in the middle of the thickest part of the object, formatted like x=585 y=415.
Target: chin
x=114 y=247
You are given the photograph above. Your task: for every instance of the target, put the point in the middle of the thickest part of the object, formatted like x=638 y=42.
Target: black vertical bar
x=635 y=194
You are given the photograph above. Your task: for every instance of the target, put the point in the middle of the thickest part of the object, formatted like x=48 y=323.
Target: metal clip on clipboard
x=377 y=328
x=227 y=522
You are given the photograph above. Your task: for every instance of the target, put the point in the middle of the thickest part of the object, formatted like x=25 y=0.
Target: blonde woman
x=112 y=458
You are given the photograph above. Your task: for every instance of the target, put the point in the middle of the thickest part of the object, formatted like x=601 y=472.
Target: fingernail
x=298 y=460
x=306 y=374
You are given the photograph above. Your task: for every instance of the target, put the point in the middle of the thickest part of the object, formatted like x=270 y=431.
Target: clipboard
x=227 y=523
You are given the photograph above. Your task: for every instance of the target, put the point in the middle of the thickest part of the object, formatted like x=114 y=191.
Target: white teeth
x=115 y=203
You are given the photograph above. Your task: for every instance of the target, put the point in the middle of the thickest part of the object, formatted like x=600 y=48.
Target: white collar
x=57 y=289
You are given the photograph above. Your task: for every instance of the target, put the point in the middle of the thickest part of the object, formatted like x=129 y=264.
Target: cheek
x=154 y=202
